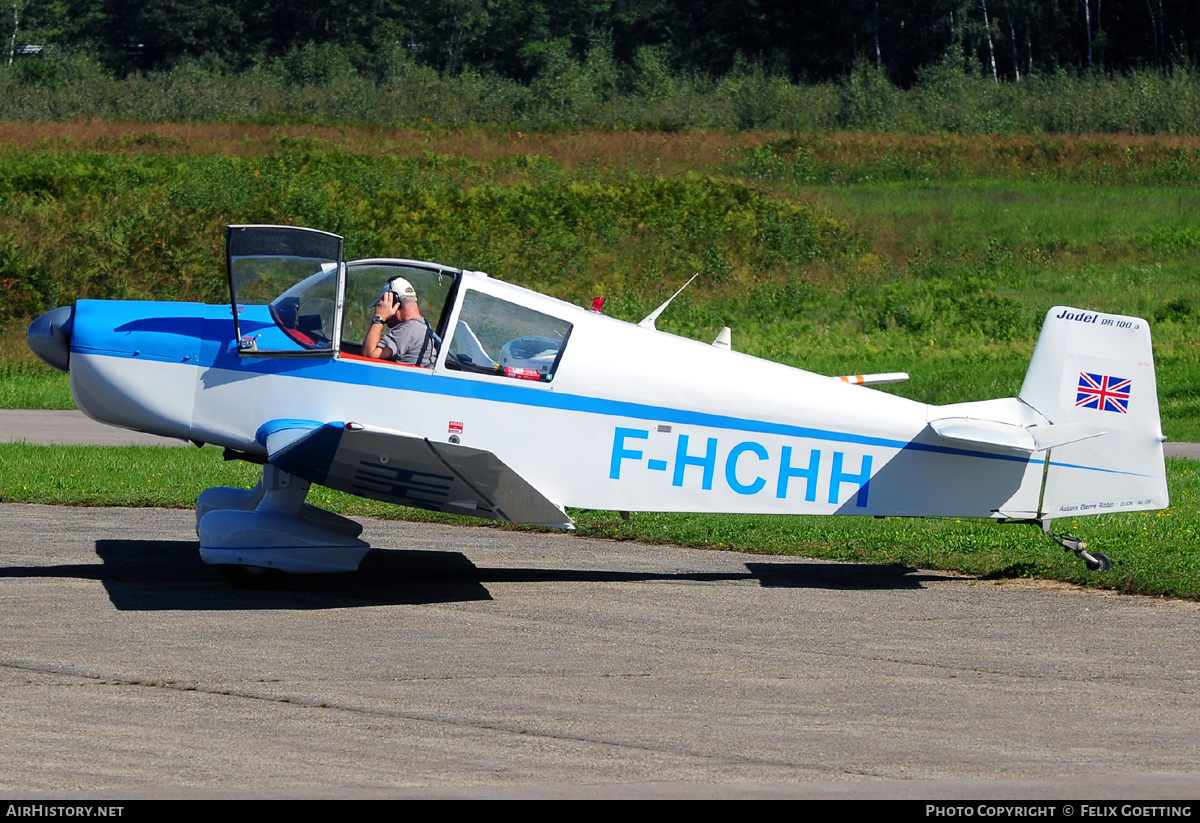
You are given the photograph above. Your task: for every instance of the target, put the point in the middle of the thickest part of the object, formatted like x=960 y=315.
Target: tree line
x=814 y=41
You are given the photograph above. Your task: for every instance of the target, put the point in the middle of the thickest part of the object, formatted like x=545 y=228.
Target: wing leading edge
x=408 y=470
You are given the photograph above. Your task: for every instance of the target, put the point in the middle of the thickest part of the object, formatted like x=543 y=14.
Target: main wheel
x=251 y=577
x=1100 y=563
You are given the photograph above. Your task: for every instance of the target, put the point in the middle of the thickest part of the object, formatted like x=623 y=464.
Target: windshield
x=305 y=311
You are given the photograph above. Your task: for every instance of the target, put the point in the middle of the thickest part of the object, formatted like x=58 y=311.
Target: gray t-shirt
x=411 y=343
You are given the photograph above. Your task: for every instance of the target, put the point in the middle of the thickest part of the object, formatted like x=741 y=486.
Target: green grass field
x=1154 y=552
x=835 y=252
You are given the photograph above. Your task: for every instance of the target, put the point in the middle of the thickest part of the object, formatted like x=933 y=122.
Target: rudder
x=1096 y=368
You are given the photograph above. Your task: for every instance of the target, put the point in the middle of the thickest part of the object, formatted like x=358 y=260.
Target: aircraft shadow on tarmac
x=166 y=575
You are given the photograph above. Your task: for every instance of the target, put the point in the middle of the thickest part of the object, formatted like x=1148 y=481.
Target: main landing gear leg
x=257 y=535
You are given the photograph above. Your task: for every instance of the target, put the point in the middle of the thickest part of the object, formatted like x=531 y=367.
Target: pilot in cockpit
x=408 y=338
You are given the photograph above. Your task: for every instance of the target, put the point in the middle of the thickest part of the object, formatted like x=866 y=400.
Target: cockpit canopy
x=294 y=297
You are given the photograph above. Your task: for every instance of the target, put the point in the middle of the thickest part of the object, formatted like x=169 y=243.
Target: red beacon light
x=598 y=304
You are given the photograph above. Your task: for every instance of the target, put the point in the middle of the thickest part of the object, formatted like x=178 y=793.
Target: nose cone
x=50 y=337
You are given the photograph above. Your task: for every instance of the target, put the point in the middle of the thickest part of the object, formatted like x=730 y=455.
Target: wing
x=409 y=470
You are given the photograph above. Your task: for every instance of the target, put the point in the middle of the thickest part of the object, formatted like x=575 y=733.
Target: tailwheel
x=1095 y=561
x=253 y=578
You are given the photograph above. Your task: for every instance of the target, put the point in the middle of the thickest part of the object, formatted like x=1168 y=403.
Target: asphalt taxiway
x=480 y=662
x=476 y=662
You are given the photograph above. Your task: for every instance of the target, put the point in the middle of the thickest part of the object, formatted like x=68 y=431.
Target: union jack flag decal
x=1103 y=393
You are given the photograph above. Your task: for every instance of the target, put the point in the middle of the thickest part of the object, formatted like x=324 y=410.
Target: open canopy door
x=286 y=286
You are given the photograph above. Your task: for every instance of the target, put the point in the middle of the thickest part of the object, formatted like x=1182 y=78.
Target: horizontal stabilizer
x=1060 y=434
x=1012 y=437
x=408 y=470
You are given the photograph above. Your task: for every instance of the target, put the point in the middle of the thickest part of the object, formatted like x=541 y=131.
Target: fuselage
x=634 y=419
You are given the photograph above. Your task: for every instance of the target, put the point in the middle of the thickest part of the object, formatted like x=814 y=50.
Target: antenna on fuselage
x=648 y=321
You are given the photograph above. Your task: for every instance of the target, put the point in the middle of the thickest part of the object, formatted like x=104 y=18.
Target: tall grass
x=129 y=226
x=839 y=253
x=318 y=84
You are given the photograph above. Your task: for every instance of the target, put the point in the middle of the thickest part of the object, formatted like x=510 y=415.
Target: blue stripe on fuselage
x=219 y=345
x=364 y=374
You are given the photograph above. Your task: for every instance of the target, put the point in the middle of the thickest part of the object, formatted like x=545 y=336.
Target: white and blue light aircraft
x=533 y=405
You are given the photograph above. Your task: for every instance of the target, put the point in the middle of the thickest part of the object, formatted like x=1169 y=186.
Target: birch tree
x=1012 y=39
x=18 y=6
x=1087 y=16
x=987 y=29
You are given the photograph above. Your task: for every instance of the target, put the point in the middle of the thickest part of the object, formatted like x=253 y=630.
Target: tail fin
x=1097 y=368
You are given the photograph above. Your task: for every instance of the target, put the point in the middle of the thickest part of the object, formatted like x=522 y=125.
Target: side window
x=494 y=336
x=364 y=282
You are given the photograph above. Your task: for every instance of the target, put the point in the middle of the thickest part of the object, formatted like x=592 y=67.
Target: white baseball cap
x=399 y=287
